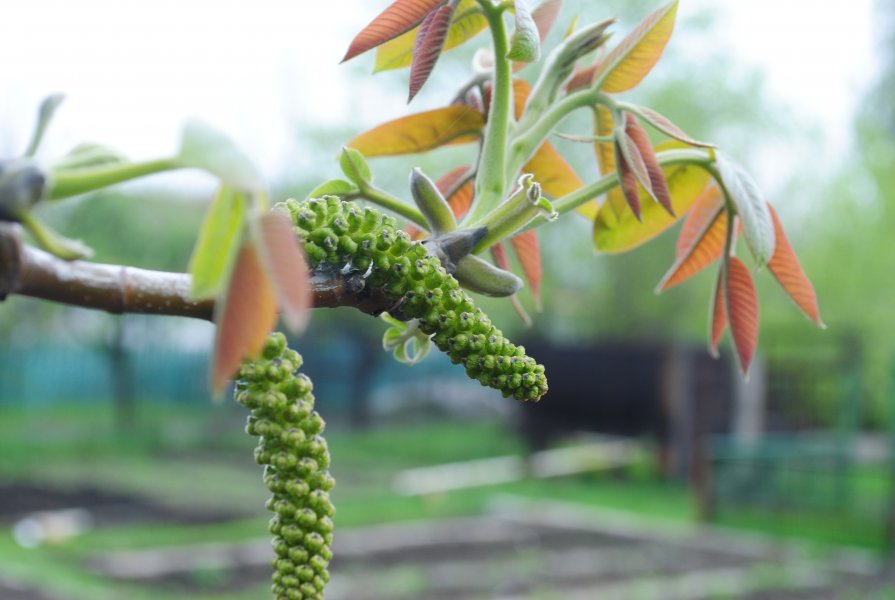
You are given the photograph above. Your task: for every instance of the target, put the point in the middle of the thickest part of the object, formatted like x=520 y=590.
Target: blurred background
x=649 y=471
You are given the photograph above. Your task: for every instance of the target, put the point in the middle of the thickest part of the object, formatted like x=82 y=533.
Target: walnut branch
x=119 y=289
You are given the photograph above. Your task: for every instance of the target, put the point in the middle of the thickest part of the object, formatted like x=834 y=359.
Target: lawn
x=199 y=459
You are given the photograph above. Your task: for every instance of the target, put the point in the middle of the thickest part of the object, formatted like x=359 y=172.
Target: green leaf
x=44 y=116
x=525 y=46
x=741 y=189
x=204 y=147
x=333 y=187
x=355 y=166
x=218 y=244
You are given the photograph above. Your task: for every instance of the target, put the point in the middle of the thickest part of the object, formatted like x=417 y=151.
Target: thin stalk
x=490 y=184
x=527 y=142
x=571 y=201
x=389 y=202
x=67 y=183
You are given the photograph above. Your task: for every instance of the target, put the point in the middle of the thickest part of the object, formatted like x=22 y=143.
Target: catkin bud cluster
x=345 y=235
x=296 y=461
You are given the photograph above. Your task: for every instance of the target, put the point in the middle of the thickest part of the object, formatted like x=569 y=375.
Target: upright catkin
x=345 y=236
x=296 y=462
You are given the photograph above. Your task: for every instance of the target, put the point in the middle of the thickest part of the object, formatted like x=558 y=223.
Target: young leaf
x=604 y=127
x=627 y=179
x=88 y=155
x=421 y=132
x=218 y=244
x=741 y=304
x=614 y=235
x=525 y=46
x=582 y=78
x=285 y=264
x=399 y=17
x=468 y=22
x=333 y=187
x=500 y=259
x=459 y=198
x=628 y=63
x=789 y=273
x=528 y=252
x=244 y=317
x=657 y=184
x=665 y=125
x=428 y=45
x=758 y=226
x=701 y=240
x=204 y=147
x=633 y=157
x=718 y=315
x=355 y=166
x=544 y=16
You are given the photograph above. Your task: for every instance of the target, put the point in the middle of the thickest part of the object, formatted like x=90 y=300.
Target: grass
x=201 y=458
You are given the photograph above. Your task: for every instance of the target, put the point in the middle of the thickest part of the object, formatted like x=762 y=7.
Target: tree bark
x=119 y=289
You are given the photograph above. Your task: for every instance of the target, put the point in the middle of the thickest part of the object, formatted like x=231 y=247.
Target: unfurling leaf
x=219 y=242
x=284 y=261
x=613 y=235
x=528 y=251
x=658 y=188
x=701 y=241
x=399 y=17
x=480 y=276
x=431 y=203
x=244 y=317
x=355 y=166
x=421 y=132
x=525 y=46
x=428 y=45
x=741 y=304
x=628 y=63
x=718 y=315
x=758 y=226
x=204 y=147
x=582 y=78
x=467 y=22
x=789 y=273
x=665 y=125
x=333 y=187
x=44 y=115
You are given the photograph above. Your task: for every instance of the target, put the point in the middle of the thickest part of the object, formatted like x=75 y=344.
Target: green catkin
x=296 y=468
x=347 y=236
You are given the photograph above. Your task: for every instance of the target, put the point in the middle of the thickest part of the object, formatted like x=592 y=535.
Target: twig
x=28 y=271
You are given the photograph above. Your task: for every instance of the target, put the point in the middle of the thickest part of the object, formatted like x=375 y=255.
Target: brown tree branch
x=119 y=289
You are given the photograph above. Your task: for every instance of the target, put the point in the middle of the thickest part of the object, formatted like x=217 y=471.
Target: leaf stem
x=571 y=201
x=67 y=183
x=378 y=196
x=490 y=185
x=527 y=141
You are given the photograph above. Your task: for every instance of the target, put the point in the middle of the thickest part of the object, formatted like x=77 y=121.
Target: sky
x=134 y=71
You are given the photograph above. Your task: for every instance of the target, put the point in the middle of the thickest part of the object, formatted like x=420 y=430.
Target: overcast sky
x=133 y=71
